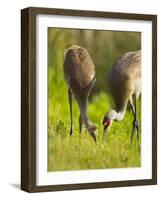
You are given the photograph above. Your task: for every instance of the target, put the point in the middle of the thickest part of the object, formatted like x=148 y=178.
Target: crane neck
x=120 y=113
x=82 y=103
x=84 y=116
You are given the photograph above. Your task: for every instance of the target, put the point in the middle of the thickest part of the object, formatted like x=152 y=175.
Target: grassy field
x=80 y=151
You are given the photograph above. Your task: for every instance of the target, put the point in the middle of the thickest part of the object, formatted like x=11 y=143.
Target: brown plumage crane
x=79 y=73
x=124 y=81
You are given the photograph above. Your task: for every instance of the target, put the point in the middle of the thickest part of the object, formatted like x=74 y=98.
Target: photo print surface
x=94 y=99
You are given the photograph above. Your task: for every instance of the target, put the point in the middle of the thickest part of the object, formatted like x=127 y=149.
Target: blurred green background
x=80 y=152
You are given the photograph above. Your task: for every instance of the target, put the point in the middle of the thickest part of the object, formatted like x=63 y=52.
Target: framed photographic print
x=88 y=99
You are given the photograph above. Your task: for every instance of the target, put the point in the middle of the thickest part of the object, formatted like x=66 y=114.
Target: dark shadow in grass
x=15 y=185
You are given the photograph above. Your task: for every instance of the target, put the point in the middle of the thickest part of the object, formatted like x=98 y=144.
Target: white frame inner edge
x=43 y=177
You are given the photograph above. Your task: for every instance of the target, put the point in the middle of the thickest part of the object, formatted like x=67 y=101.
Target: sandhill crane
x=79 y=73
x=124 y=81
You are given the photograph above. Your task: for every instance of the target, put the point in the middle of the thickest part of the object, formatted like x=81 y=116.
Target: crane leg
x=133 y=112
x=80 y=123
x=132 y=106
x=135 y=123
x=70 y=106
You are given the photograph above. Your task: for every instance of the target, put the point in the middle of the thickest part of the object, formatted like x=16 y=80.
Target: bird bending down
x=79 y=73
x=124 y=81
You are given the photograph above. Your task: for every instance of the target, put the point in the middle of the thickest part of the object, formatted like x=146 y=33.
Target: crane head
x=107 y=122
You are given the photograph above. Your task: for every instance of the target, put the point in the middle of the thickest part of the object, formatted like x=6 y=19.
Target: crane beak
x=94 y=137
x=93 y=132
x=105 y=131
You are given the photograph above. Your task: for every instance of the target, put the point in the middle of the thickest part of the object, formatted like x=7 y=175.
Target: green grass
x=79 y=152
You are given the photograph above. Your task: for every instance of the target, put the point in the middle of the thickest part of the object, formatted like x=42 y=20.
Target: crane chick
x=79 y=73
x=124 y=81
